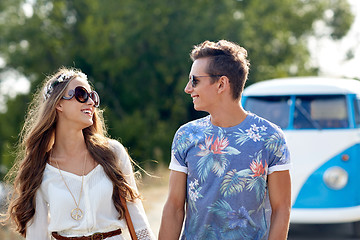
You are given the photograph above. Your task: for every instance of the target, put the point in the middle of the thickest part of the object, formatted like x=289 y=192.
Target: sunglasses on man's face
x=82 y=95
x=194 y=81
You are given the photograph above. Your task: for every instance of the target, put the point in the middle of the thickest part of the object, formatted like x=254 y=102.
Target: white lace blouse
x=54 y=204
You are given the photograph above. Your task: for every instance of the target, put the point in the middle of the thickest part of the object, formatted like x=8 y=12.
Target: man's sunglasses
x=82 y=95
x=194 y=81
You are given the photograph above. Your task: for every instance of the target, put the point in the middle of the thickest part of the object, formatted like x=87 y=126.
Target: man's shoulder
x=200 y=122
x=262 y=122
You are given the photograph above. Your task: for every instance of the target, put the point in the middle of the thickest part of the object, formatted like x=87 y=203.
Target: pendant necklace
x=76 y=213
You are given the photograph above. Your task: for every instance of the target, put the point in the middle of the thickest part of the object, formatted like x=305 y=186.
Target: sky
x=328 y=54
x=331 y=55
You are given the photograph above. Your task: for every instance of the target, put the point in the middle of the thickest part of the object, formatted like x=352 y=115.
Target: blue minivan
x=321 y=121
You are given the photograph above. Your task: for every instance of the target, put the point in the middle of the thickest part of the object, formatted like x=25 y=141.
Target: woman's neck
x=68 y=143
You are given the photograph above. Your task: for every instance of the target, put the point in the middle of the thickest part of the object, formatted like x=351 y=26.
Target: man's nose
x=188 y=88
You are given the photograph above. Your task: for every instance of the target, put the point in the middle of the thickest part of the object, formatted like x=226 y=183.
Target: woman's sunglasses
x=82 y=95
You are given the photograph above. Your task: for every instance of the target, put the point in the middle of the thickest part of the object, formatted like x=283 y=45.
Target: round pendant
x=76 y=214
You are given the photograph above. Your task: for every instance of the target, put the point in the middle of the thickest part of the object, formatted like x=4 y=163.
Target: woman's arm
x=37 y=227
x=136 y=209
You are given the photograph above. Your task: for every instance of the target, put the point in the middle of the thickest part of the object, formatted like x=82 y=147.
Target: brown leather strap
x=128 y=219
x=95 y=236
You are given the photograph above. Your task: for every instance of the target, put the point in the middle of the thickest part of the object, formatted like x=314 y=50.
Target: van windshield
x=310 y=112
x=273 y=108
x=320 y=112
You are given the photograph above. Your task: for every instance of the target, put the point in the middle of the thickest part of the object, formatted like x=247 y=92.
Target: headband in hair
x=49 y=88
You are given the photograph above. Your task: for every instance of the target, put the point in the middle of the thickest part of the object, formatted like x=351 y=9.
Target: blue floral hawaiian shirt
x=227 y=171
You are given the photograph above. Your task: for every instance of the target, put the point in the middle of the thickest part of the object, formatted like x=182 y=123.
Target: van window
x=322 y=111
x=357 y=111
x=273 y=108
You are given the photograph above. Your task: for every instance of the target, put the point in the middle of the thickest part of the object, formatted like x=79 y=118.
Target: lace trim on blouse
x=143 y=234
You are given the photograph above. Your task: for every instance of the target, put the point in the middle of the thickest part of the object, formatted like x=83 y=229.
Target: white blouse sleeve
x=136 y=209
x=37 y=227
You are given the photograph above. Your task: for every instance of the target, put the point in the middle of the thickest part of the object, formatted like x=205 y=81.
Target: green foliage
x=10 y=126
x=340 y=19
x=136 y=53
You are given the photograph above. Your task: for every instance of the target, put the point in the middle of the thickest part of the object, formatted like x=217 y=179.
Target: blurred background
x=136 y=54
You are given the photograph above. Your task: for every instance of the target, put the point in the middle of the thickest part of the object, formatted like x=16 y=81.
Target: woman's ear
x=59 y=107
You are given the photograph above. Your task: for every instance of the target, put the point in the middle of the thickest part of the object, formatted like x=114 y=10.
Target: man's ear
x=223 y=84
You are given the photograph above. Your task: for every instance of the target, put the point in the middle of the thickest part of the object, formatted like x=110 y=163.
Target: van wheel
x=356 y=229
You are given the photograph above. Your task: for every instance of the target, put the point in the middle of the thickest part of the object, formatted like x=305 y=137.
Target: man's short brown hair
x=227 y=59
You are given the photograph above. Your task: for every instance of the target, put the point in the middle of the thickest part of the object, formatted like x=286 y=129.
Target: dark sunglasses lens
x=95 y=97
x=81 y=94
x=193 y=81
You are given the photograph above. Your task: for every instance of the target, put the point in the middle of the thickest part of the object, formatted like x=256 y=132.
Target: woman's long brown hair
x=36 y=140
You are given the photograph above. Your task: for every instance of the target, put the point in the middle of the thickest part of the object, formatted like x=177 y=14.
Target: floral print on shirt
x=227 y=176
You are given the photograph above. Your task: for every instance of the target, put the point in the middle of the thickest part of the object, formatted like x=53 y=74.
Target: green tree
x=136 y=52
x=10 y=126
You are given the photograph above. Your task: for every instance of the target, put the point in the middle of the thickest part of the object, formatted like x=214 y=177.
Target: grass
x=154 y=191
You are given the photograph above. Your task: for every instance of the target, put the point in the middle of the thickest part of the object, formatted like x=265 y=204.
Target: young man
x=231 y=168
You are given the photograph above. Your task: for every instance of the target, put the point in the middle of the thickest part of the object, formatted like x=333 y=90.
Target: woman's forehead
x=78 y=81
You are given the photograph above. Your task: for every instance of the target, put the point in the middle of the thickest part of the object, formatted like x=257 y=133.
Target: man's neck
x=228 y=116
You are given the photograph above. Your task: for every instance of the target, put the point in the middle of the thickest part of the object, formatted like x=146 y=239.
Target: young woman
x=69 y=175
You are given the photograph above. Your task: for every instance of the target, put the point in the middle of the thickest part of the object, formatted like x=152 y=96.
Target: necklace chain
x=76 y=213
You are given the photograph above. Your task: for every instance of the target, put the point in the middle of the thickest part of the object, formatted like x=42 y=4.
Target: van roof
x=303 y=86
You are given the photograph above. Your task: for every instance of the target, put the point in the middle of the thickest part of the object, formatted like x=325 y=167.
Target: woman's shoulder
x=118 y=148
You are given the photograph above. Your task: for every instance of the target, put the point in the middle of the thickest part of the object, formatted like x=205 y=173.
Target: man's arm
x=173 y=213
x=279 y=185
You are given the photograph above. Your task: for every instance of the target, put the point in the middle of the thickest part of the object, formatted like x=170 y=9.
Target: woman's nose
x=90 y=101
